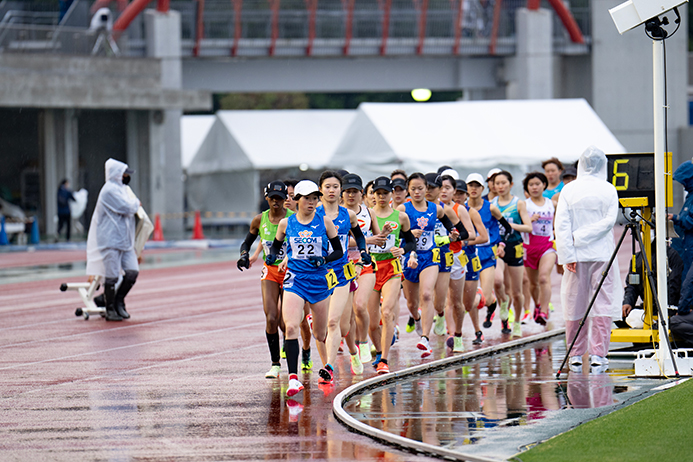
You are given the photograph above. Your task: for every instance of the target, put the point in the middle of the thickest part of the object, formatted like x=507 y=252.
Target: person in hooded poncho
x=585 y=216
x=111 y=239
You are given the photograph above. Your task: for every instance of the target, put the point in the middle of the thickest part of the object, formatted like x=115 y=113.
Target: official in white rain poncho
x=111 y=240
x=585 y=216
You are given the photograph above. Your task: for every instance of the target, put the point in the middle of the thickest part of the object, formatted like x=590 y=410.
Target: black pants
x=64 y=219
x=682 y=328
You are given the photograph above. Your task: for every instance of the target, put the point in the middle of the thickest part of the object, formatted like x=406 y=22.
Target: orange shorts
x=367 y=270
x=271 y=273
x=387 y=269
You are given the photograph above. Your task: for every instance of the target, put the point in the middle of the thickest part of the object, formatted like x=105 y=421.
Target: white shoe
x=356 y=364
x=365 y=353
x=517 y=329
x=425 y=347
x=273 y=373
x=418 y=328
x=439 y=325
x=598 y=361
x=294 y=387
x=575 y=363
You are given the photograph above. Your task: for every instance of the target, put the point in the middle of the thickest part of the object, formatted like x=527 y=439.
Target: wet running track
x=182 y=380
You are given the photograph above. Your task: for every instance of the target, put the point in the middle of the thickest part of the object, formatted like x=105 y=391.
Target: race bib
x=397 y=266
x=349 y=271
x=288 y=280
x=385 y=248
x=464 y=259
x=519 y=251
x=476 y=264
x=331 y=278
x=302 y=248
x=436 y=255
x=449 y=259
x=267 y=246
x=425 y=241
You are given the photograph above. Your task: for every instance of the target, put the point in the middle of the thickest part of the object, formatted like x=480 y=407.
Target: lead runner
x=306 y=276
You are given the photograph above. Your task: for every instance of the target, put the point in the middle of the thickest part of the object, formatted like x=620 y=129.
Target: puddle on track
x=500 y=405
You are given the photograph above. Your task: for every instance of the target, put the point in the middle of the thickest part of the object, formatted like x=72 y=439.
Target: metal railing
x=324 y=27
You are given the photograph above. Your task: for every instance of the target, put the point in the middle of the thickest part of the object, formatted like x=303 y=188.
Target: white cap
x=492 y=172
x=451 y=172
x=475 y=177
x=305 y=188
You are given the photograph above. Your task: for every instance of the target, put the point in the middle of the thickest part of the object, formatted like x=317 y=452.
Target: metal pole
x=660 y=182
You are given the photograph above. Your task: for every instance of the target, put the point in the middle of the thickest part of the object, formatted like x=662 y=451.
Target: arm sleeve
x=248 y=242
x=409 y=241
x=276 y=246
x=337 y=251
x=504 y=223
x=359 y=237
x=464 y=234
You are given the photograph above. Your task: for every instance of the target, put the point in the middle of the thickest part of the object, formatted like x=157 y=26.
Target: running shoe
x=424 y=346
x=356 y=364
x=551 y=308
x=517 y=329
x=283 y=352
x=410 y=325
x=396 y=332
x=418 y=328
x=326 y=375
x=365 y=352
x=482 y=299
x=295 y=408
x=575 y=363
x=450 y=343
x=537 y=310
x=377 y=360
x=479 y=338
x=504 y=311
x=526 y=316
x=542 y=318
x=294 y=387
x=490 y=312
x=309 y=318
x=274 y=371
x=306 y=363
x=383 y=368
x=438 y=324
x=506 y=327
x=458 y=345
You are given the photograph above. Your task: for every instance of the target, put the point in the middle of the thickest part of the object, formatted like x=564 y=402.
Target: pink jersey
x=542 y=229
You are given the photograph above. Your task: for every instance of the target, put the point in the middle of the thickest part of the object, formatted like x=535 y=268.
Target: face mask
x=126 y=179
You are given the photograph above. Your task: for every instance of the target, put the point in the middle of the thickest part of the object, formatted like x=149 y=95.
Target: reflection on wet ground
x=500 y=405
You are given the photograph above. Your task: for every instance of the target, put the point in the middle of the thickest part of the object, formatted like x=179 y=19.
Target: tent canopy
x=469 y=135
x=260 y=140
x=193 y=131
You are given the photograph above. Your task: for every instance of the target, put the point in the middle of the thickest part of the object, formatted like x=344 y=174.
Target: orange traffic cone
x=197 y=228
x=158 y=232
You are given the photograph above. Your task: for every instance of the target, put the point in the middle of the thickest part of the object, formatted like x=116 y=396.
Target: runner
x=456 y=285
x=388 y=272
x=419 y=282
x=307 y=279
x=369 y=198
x=343 y=272
x=490 y=176
x=265 y=225
x=352 y=195
x=540 y=255
x=510 y=250
x=553 y=169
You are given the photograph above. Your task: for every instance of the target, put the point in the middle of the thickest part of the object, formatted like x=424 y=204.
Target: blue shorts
x=425 y=259
x=447 y=259
x=345 y=272
x=311 y=287
x=473 y=266
x=487 y=256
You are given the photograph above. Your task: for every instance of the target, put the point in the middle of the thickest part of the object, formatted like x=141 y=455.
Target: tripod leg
x=654 y=288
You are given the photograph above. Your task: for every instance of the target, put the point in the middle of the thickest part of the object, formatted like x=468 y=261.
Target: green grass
x=655 y=429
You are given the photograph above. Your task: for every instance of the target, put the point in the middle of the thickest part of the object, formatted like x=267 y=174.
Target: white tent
x=193 y=131
x=224 y=174
x=470 y=136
